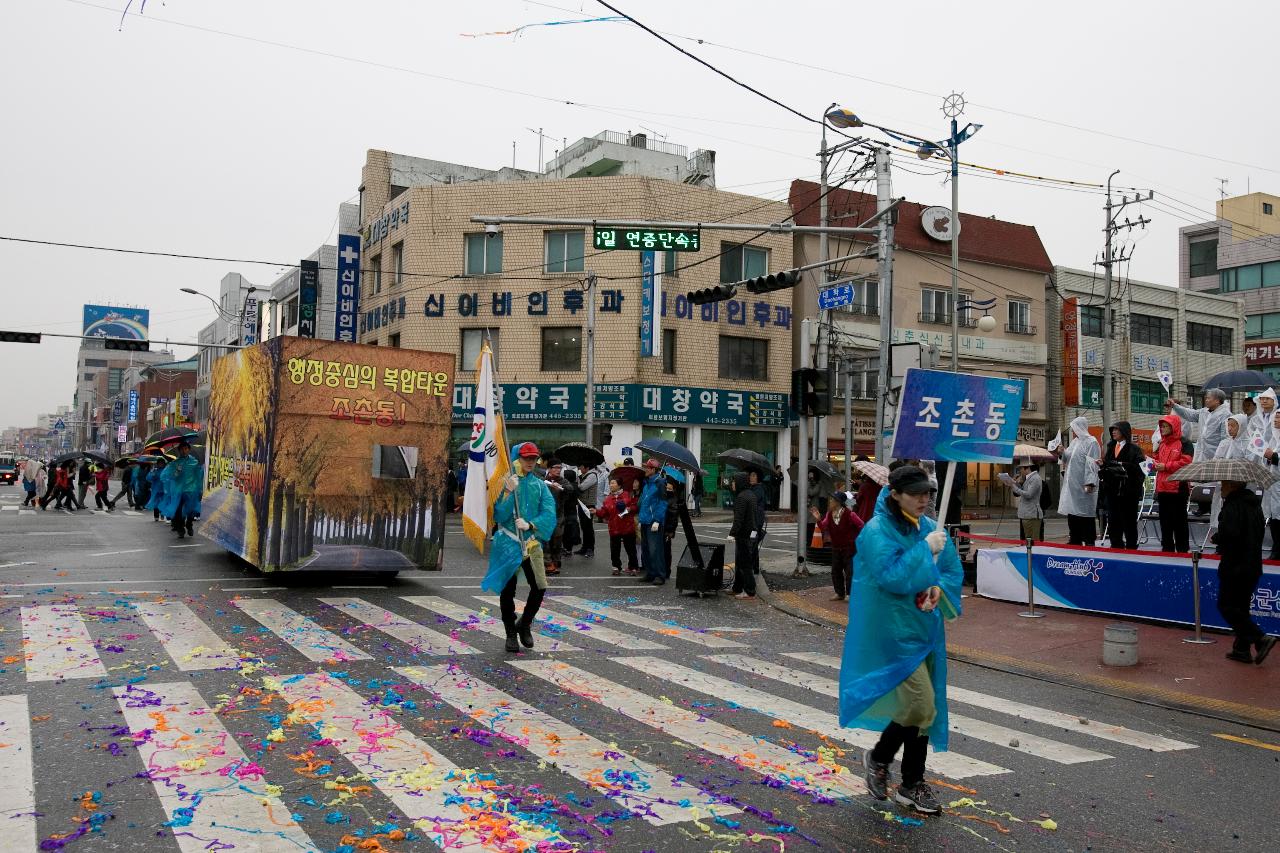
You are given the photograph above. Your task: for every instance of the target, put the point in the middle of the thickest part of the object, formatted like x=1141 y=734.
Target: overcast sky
x=235 y=128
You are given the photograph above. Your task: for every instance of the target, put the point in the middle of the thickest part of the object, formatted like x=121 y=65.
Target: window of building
x=95 y=362
x=1249 y=277
x=669 y=351
x=935 y=305
x=1202 y=337
x=865 y=378
x=1027 y=403
x=291 y=313
x=115 y=378
x=1147 y=397
x=472 y=344
x=1091 y=392
x=375 y=273
x=1020 y=317
x=564 y=252
x=561 y=348
x=671 y=264
x=739 y=262
x=744 y=358
x=866 y=299
x=397 y=263
x=393 y=340
x=88 y=377
x=373 y=343
x=1194 y=395
x=1091 y=320
x=1204 y=258
x=1266 y=208
x=1262 y=326
x=1149 y=329
x=484 y=254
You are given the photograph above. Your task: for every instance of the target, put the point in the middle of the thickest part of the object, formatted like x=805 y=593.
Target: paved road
x=156 y=696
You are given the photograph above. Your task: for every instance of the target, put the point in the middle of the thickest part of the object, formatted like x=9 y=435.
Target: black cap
x=909 y=480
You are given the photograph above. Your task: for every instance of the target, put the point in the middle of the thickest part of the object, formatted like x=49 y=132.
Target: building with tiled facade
x=433 y=279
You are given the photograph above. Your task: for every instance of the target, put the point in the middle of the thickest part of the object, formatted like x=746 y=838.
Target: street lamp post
x=238 y=320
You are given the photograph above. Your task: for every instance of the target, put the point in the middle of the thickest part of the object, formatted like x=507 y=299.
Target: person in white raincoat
x=1235 y=445
x=1212 y=420
x=1079 y=498
x=1271 y=497
x=1264 y=420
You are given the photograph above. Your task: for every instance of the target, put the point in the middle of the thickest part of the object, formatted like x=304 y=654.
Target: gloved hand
x=654 y=527
x=937 y=541
x=521 y=524
x=512 y=482
x=753 y=534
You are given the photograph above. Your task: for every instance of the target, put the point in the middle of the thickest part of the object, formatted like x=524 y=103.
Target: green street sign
x=648 y=239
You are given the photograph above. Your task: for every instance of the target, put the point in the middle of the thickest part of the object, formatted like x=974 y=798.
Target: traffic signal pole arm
x=773 y=227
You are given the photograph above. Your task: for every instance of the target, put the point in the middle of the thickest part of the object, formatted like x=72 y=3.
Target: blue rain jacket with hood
x=888 y=636
x=537 y=507
x=157 y=481
x=183 y=480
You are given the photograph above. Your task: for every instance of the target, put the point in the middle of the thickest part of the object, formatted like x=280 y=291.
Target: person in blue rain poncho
x=524 y=518
x=893 y=675
x=183 y=486
x=154 y=489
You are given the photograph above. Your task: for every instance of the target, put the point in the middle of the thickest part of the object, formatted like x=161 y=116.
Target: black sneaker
x=1265 y=645
x=920 y=797
x=513 y=645
x=526 y=634
x=877 y=776
x=1240 y=657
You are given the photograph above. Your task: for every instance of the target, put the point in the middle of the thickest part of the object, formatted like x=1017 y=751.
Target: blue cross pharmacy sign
x=957 y=417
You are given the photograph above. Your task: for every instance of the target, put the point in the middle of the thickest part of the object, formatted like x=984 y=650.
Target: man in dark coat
x=1239 y=541
x=744 y=531
x=1123 y=484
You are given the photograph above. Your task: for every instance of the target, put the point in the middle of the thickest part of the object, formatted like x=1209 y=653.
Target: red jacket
x=1171 y=453
x=101 y=479
x=621 y=523
x=843 y=535
x=865 y=505
x=62 y=479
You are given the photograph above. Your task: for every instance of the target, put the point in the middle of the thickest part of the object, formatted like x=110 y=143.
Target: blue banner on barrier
x=957 y=417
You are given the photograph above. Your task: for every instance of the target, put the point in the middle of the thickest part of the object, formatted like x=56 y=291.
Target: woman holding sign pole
x=1079 y=498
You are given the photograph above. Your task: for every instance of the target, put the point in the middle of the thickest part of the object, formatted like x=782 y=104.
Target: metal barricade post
x=1031 y=588
x=1198 y=639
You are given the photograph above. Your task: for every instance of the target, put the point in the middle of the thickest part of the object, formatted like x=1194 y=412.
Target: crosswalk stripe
x=423 y=784
x=471 y=620
x=205 y=782
x=421 y=640
x=586 y=629
x=57 y=644
x=748 y=751
x=805 y=716
x=17 y=794
x=644 y=789
x=620 y=614
x=189 y=641
x=307 y=637
x=1071 y=722
x=1015 y=739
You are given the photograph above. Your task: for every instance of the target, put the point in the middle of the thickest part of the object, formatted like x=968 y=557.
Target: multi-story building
x=999 y=260
x=225 y=331
x=1239 y=253
x=1155 y=329
x=718 y=375
x=100 y=371
x=279 y=315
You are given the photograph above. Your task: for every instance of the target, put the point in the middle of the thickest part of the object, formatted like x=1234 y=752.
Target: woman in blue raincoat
x=157 y=480
x=183 y=490
x=893 y=676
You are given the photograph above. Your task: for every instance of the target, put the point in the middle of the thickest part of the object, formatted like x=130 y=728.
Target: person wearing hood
x=1271 y=497
x=1079 y=498
x=1212 y=420
x=893 y=672
x=1264 y=420
x=1173 y=452
x=1235 y=445
x=744 y=532
x=1239 y=542
x=1123 y=485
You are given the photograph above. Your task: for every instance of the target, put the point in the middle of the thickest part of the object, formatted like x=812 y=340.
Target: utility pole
x=884 y=248
x=802 y=464
x=591 y=356
x=848 y=366
x=824 y=254
x=1110 y=227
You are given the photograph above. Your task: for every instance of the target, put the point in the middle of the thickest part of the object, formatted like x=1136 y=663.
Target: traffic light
x=126 y=344
x=719 y=293
x=811 y=389
x=20 y=337
x=774 y=281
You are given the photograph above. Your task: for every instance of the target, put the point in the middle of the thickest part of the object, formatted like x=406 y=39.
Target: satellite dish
x=939 y=223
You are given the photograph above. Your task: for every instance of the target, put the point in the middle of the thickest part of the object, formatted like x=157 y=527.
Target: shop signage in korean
x=663 y=240
x=249 y=328
x=1071 y=352
x=122 y=434
x=348 y=304
x=392 y=220
x=650 y=327
x=133 y=407
x=958 y=417
x=308 y=296
x=117 y=411
x=1262 y=352
x=976 y=346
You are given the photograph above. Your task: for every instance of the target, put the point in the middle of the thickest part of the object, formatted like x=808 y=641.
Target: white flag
x=487 y=463
x=1055 y=442
x=1166 y=379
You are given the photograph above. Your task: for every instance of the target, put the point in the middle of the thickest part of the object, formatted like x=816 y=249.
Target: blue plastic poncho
x=506 y=551
x=888 y=636
x=157 y=481
x=183 y=487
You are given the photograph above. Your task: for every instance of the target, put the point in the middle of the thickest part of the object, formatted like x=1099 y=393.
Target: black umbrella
x=1239 y=380
x=670 y=452
x=127 y=460
x=825 y=470
x=94 y=456
x=168 y=437
x=66 y=457
x=579 y=453
x=747 y=460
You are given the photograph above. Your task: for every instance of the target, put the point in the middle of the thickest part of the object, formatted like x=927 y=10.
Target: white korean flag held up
x=487 y=463
x=1166 y=379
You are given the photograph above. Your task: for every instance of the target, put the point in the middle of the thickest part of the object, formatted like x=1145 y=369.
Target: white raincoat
x=1232 y=448
x=1262 y=420
x=1213 y=427
x=1080 y=470
x=1271 y=497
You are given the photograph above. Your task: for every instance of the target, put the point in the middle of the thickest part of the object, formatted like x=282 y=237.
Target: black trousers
x=1175 y=535
x=1082 y=530
x=915 y=747
x=180 y=522
x=841 y=571
x=1235 y=592
x=507 y=600
x=100 y=499
x=588 y=530
x=1274 y=526
x=1124 y=522
x=744 y=565
x=617 y=544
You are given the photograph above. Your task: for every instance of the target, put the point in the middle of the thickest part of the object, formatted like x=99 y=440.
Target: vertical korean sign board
x=249 y=327
x=957 y=417
x=133 y=407
x=308 y=296
x=650 y=299
x=348 y=304
x=1071 y=352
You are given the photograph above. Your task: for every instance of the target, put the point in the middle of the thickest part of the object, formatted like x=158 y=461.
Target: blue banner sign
x=117 y=411
x=648 y=301
x=834 y=297
x=348 y=304
x=308 y=298
x=957 y=417
x=133 y=407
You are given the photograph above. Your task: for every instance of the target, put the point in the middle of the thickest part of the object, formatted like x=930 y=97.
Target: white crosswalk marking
x=641 y=787
x=822 y=721
x=473 y=621
x=208 y=787
x=418 y=638
x=314 y=642
x=1070 y=722
x=14 y=508
x=752 y=753
x=17 y=794
x=420 y=781
x=1015 y=739
x=57 y=644
x=620 y=614
x=190 y=642
x=587 y=629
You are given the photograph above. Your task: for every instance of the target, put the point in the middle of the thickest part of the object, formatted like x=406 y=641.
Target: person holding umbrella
x=1027 y=486
x=185 y=480
x=156 y=481
x=653 y=520
x=101 y=482
x=744 y=532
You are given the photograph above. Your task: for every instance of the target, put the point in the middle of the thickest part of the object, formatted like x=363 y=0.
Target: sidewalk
x=1066 y=647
